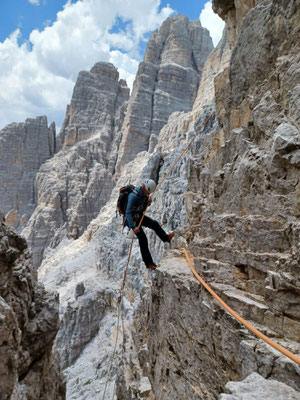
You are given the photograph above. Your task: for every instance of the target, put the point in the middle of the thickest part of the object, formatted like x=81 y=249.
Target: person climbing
x=137 y=202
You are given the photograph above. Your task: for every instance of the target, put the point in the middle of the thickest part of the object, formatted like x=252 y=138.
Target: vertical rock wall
x=29 y=368
x=97 y=97
x=73 y=186
x=243 y=230
x=166 y=81
x=232 y=200
x=24 y=147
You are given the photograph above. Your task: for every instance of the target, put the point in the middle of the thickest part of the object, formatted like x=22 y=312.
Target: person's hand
x=136 y=230
x=149 y=201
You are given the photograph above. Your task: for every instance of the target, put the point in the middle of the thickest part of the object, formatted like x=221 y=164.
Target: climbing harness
x=276 y=346
x=130 y=250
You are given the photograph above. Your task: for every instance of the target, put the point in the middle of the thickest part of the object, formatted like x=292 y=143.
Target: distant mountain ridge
x=232 y=201
x=102 y=124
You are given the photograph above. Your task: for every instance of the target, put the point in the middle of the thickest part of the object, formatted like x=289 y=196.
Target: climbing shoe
x=170 y=237
x=152 y=266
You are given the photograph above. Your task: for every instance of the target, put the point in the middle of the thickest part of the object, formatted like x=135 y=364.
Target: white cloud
x=37 y=78
x=212 y=22
x=127 y=66
x=34 y=2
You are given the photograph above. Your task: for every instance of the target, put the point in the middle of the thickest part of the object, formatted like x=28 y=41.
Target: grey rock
x=73 y=186
x=233 y=12
x=167 y=81
x=267 y=115
x=97 y=97
x=257 y=25
x=286 y=138
x=79 y=325
x=256 y=387
x=29 y=322
x=217 y=60
x=24 y=147
x=240 y=203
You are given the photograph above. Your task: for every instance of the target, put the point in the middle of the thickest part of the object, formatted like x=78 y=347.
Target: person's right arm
x=129 y=210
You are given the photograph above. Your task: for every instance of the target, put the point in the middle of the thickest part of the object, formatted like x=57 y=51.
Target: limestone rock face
x=188 y=347
x=233 y=12
x=216 y=62
x=29 y=322
x=232 y=200
x=97 y=96
x=274 y=68
x=242 y=206
x=73 y=186
x=167 y=81
x=256 y=387
x=24 y=147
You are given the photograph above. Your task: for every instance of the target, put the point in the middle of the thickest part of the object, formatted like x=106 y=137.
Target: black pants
x=143 y=241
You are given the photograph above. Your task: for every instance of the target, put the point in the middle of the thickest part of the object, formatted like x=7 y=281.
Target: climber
x=138 y=200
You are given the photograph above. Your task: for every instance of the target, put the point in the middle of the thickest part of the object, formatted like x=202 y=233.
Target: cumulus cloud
x=34 y=2
x=37 y=77
x=212 y=22
x=127 y=66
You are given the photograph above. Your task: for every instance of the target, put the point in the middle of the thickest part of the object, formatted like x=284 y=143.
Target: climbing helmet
x=150 y=185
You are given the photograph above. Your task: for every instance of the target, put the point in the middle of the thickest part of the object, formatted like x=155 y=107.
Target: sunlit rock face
x=257 y=387
x=232 y=200
x=97 y=97
x=73 y=186
x=29 y=322
x=167 y=81
x=242 y=205
x=24 y=147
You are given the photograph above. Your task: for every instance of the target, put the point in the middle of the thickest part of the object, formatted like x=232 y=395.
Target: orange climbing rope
x=130 y=250
x=276 y=346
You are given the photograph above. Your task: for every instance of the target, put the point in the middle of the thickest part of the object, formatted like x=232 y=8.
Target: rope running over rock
x=275 y=345
x=130 y=250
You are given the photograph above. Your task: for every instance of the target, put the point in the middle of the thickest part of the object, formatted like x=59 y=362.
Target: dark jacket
x=136 y=205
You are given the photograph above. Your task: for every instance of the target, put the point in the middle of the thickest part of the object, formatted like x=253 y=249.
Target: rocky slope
x=74 y=185
x=232 y=201
x=242 y=206
x=24 y=147
x=28 y=324
x=241 y=202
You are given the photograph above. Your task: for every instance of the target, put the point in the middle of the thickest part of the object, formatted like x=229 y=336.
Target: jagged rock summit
x=167 y=81
x=77 y=182
x=97 y=105
x=74 y=185
x=232 y=200
x=24 y=147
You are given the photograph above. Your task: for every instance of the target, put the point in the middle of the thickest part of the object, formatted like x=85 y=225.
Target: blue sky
x=28 y=15
x=45 y=43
